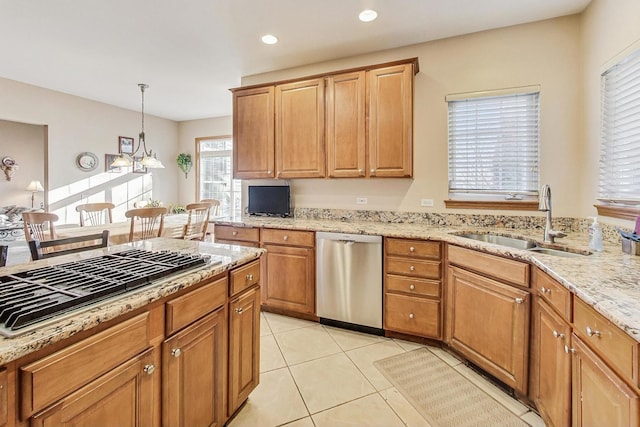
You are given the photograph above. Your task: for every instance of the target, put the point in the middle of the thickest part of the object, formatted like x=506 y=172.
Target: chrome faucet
x=544 y=205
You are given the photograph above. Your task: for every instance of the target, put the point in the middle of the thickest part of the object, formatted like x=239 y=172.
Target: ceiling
x=191 y=52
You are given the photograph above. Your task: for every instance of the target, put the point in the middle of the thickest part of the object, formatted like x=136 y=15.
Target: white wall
x=546 y=53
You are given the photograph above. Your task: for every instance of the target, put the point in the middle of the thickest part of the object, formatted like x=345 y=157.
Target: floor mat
x=441 y=394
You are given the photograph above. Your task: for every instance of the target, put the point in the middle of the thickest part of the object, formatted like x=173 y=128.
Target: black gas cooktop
x=32 y=296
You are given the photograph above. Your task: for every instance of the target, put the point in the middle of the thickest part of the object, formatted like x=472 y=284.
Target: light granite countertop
x=609 y=281
x=66 y=325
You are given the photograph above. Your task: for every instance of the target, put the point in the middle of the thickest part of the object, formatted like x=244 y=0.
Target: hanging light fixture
x=149 y=160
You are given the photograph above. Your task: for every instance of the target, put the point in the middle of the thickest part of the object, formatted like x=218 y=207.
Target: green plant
x=184 y=163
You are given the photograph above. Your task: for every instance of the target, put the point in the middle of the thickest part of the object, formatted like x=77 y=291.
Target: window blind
x=493 y=144
x=619 y=178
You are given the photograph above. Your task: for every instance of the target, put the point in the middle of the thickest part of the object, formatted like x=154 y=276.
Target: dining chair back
x=215 y=206
x=95 y=213
x=150 y=220
x=69 y=245
x=39 y=225
x=197 y=222
x=4 y=251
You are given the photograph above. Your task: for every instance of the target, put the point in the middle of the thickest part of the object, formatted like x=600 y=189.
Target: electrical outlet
x=426 y=202
x=361 y=200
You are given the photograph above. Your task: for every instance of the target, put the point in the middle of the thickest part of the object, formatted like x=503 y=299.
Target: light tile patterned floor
x=315 y=375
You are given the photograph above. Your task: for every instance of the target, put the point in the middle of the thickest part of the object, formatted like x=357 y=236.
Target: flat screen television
x=269 y=200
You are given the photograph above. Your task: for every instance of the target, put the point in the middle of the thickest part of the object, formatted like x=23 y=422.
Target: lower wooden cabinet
x=194 y=373
x=290 y=278
x=599 y=396
x=125 y=396
x=244 y=347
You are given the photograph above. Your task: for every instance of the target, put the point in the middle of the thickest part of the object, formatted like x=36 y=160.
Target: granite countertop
x=66 y=325
x=609 y=281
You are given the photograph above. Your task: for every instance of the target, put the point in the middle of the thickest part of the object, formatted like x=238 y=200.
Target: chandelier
x=149 y=159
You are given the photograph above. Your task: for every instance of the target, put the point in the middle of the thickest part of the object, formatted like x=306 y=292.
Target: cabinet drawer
x=190 y=307
x=244 y=277
x=47 y=380
x=288 y=237
x=415 y=316
x=553 y=292
x=410 y=285
x=412 y=248
x=606 y=339
x=228 y=232
x=495 y=266
x=413 y=267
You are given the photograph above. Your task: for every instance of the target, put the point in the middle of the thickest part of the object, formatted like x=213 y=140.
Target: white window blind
x=620 y=139
x=493 y=144
x=216 y=180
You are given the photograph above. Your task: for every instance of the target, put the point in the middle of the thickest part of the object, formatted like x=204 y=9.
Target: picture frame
x=137 y=166
x=125 y=145
x=108 y=159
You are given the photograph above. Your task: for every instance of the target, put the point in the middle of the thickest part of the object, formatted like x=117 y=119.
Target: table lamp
x=34 y=186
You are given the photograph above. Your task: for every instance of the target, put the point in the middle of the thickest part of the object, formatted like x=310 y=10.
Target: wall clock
x=87 y=161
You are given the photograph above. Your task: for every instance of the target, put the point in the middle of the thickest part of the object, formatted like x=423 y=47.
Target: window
x=215 y=166
x=493 y=144
x=620 y=140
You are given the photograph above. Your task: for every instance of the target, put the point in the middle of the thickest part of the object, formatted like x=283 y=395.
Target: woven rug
x=441 y=394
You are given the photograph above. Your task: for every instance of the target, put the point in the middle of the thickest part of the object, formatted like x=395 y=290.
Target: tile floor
x=315 y=375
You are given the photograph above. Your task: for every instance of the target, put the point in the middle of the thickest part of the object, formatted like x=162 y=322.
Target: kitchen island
x=181 y=350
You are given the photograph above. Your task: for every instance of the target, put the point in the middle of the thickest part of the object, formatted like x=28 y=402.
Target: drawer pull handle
x=568 y=349
x=249 y=277
x=519 y=300
x=412 y=268
x=412 y=249
x=592 y=332
x=285 y=238
x=235 y=233
x=545 y=290
x=239 y=310
x=412 y=286
x=558 y=335
x=149 y=369
x=411 y=316
x=176 y=352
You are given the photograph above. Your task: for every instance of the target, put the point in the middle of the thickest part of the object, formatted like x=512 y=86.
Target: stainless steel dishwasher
x=349 y=281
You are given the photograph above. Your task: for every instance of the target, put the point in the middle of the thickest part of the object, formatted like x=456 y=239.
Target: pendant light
x=149 y=160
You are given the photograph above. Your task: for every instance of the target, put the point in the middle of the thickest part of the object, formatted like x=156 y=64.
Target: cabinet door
x=490 y=325
x=551 y=367
x=600 y=397
x=346 y=125
x=244 y=347
x=126 y=396
x=194 y=373
x=253 y=133
x=300 y=130
x=290 y=278
x=391 y=121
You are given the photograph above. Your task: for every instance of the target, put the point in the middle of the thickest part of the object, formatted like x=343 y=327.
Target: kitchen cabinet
x=4 y=397
x=412 y=287
x=289 y=270
x=243 y=236
x=488 y=320
x=299 y=121
x=391 y=121
x=253 y=133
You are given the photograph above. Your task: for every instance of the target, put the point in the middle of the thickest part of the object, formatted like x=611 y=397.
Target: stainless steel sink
x=517 y=243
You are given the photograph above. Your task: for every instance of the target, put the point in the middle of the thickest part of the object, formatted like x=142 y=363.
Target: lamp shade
x=34 y=186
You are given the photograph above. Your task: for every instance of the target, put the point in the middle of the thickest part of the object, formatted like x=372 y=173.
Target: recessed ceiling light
x=269 y=39
x=368 y=15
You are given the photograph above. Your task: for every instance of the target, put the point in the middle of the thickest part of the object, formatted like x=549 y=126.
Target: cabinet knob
x=592 y=332
x=412 y=268
x=558 y=334
x=285 y=238
x=235 y=233
x=360 y=172
x=278 y=174
x=411 y=316
x=568 y=349
x=176 y=352
x=412 y=286
x=545 y=290
x=239 y=310
x=412 y=249
x=373 y=171
x=149 y=369
x=269 y=172
x=519 y=300
x=249 y=277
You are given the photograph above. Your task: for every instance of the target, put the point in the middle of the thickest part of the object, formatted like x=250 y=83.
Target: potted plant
x=184 y=163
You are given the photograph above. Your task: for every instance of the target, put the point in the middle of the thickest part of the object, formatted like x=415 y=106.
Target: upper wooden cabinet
x=300 y=130
x=349 y=123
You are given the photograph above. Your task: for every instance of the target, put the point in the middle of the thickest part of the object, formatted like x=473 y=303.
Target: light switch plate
x=426 y=202
x=361 y=200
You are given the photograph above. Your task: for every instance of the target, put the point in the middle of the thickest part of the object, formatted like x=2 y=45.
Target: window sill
x=622 y=212
x=507 y=205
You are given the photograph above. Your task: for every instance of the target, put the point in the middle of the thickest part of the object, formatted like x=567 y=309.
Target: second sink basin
x=511 y=242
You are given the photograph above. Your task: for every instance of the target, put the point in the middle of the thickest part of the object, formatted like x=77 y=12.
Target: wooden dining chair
x=95 y=213
x=4 y=252
x=39 y=225
x=215 y=205
x=69 y=245
x=197 y=222
x=151 y=222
